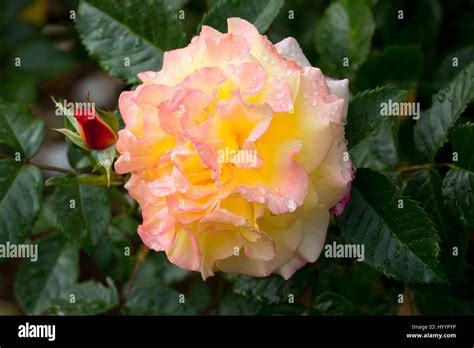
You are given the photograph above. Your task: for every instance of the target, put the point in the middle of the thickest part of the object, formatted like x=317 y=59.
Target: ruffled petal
x=291 y=50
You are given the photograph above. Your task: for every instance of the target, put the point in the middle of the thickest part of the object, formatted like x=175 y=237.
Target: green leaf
x=364 y=112
x=90 y=298
x=345 y=31
x=46 y=220
x=379 y=150
x=21 y=192
x=458 y=184
x=20 y=130
x=82 y=211
x=261 y=13
x=399 y=238
x=458 y=192
x=76 y=158
x=273 y=289
x=432 y=129
x=149 y=296
x=333 y=304
x=38 y=284
x=110 y=255
x=379 y=70
x=128 y=37
x=425 y=187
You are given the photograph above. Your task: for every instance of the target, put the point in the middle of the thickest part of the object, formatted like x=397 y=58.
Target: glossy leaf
x=21 y=192
x=82 y=211
x=364 y=115
x=87 y=298
x=38 y=284
x=424 y=186
x=399 y=238
x=345 y=33
x=433 y=127
x=128 y=37
x=20 y=131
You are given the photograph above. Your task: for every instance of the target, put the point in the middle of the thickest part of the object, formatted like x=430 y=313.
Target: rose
x=189 y=129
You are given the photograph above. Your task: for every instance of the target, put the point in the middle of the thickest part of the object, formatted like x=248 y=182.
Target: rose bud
x=98 y=128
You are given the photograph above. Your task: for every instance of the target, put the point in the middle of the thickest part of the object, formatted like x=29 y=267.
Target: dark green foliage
x=412 y=199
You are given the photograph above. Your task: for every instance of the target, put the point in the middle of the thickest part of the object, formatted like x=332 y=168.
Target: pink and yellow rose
x=236 y=152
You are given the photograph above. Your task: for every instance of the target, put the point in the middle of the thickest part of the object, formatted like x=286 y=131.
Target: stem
x=141 y=255
x=52 y=168
x=41 y=165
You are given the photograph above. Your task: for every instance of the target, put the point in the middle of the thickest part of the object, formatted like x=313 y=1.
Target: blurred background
x=414 y=54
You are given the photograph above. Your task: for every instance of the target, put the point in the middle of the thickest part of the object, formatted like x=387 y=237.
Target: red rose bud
x=98 y=128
